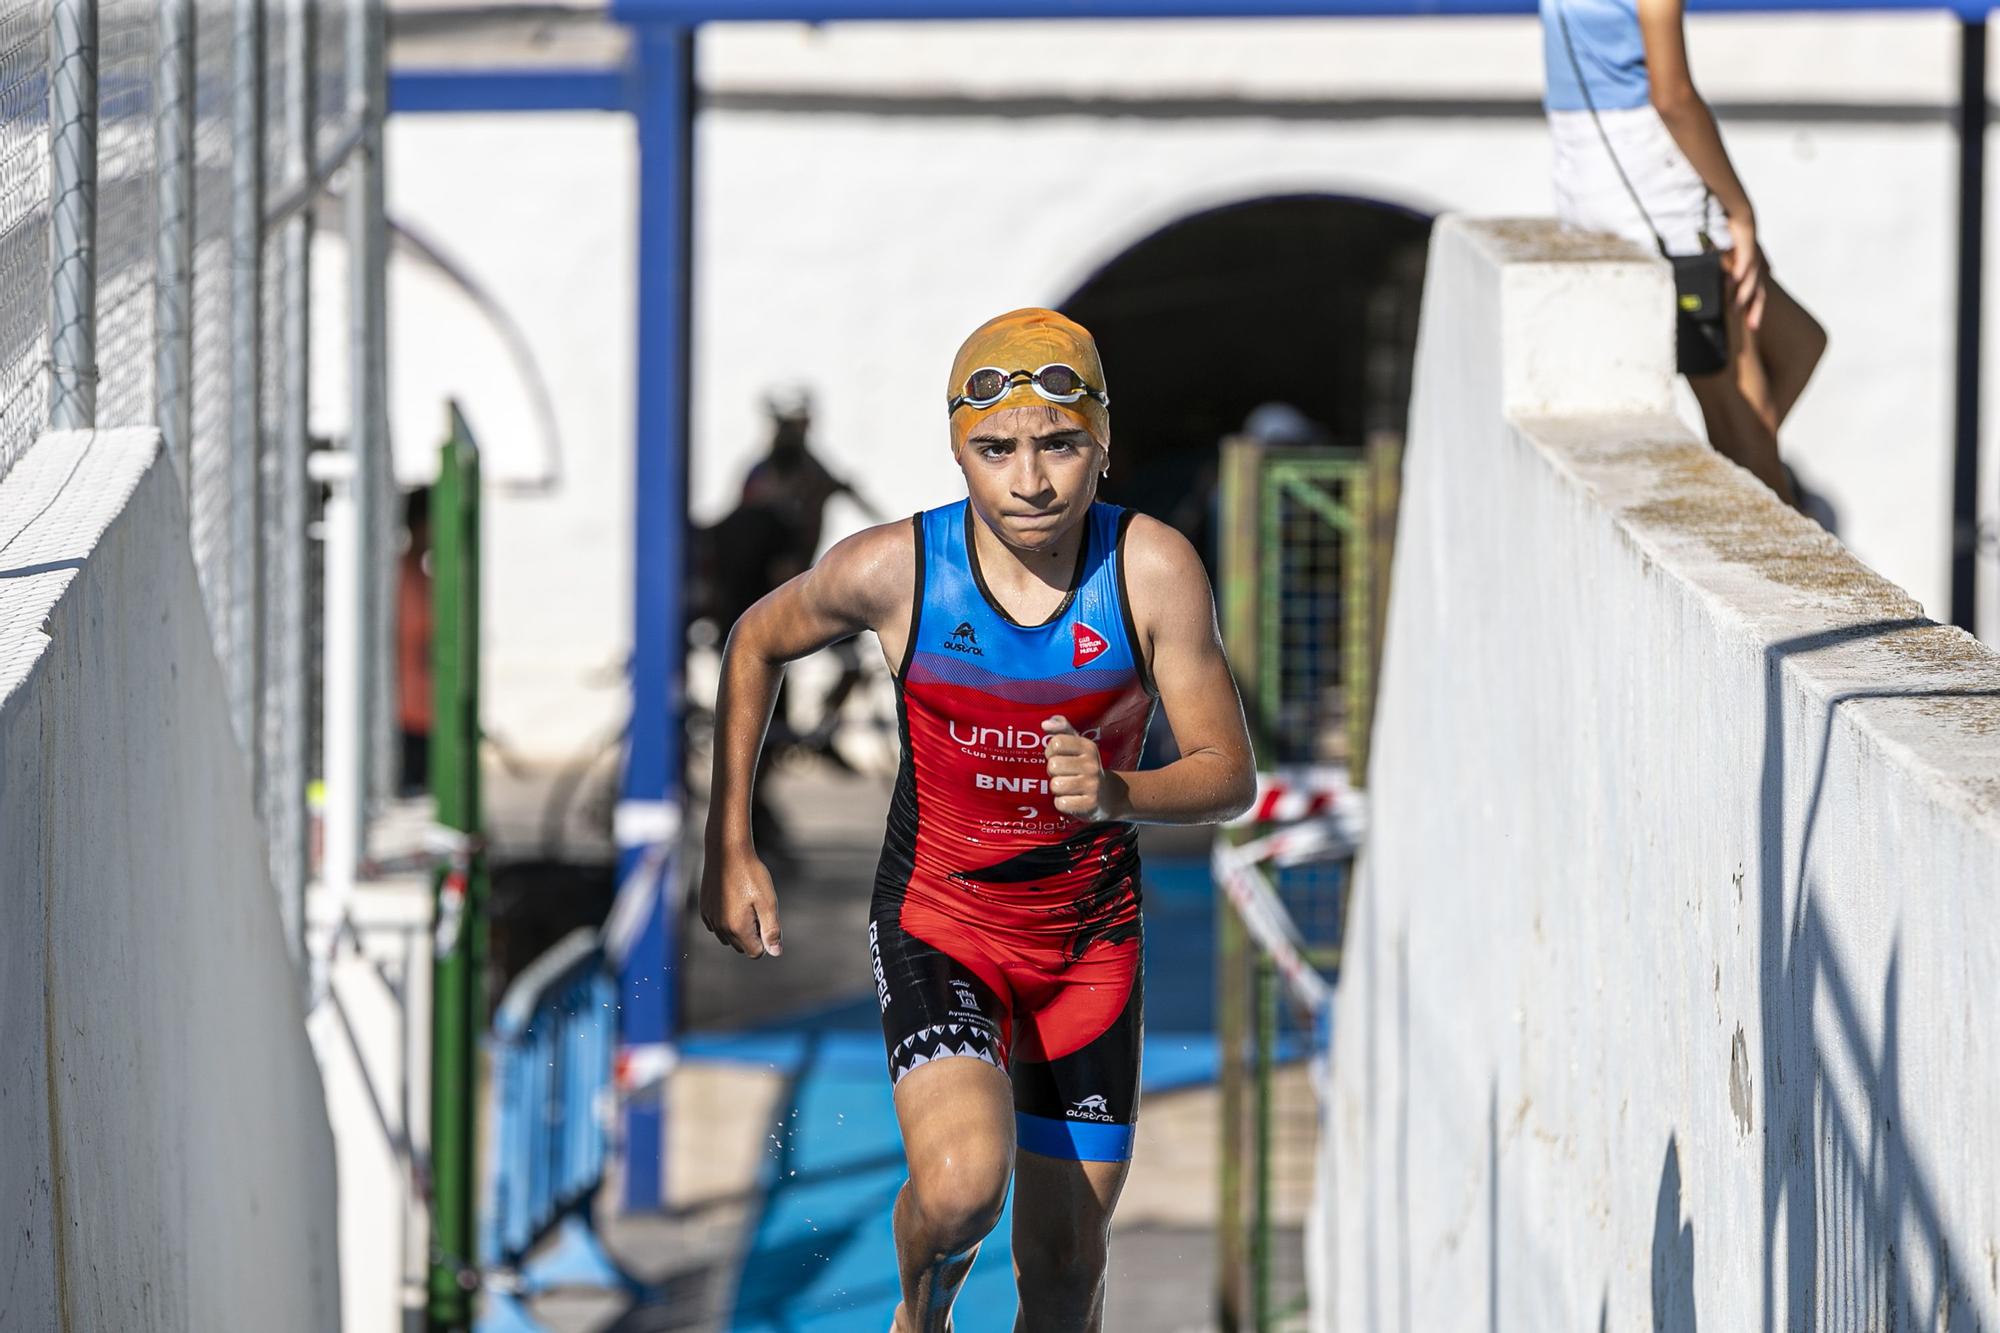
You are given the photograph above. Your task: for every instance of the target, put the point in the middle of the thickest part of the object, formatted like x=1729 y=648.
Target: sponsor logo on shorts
x=1093 y=1107
x=875 y=959
x=966 y=999
x=965 y=639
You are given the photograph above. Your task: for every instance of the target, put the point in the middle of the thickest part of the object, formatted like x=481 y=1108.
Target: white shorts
x=1589 y=195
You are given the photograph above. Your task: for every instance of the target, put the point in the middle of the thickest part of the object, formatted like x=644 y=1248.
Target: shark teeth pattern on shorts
x=974 y=1046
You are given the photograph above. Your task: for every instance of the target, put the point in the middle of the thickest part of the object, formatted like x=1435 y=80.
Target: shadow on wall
x=1864 y=1243
x=1673 y=1253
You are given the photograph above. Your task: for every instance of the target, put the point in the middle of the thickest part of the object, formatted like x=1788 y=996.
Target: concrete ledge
x=167 y=1162
x=1669 y=988
x=59 y=498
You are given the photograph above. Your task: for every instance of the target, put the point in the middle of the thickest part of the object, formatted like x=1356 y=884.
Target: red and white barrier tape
x=640 y=1069
x=632 y=908
x=1324 y=818
x=1302 y=791
x=1239 y=870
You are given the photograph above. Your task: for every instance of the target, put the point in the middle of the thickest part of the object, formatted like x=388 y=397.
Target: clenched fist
x=738 y=903
x=1077 y=779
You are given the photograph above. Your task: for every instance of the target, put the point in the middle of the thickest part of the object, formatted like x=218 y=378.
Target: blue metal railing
x=551 y=1102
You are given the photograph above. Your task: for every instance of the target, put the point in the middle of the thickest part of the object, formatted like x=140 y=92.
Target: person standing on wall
x=1638 y=153
x=1032 y=631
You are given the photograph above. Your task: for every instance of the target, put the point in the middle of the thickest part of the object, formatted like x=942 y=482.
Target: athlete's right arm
x=864 y=582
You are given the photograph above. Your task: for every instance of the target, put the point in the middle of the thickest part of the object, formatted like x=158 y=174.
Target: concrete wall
x=1668 y=1000
x=166 y=1162
x=557 y=560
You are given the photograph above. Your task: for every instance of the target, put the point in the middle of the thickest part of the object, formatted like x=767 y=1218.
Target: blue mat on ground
x=822 y=1257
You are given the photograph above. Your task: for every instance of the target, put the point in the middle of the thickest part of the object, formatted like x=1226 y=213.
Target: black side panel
x=899 y=838
x=1125 y=605
x=916 y=613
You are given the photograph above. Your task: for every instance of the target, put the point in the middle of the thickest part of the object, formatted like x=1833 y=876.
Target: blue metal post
x=648 y=815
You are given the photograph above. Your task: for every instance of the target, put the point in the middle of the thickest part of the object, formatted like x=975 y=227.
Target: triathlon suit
x=1001 y=928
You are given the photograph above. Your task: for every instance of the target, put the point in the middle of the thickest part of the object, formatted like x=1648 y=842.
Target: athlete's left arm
x=1215 y=777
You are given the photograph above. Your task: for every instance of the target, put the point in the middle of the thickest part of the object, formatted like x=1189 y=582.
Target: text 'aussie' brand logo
x=1089 y=643
x=1093 y=1107
x=965 y=639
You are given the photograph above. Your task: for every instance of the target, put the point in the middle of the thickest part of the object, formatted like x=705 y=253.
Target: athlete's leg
x=957 y=1117
x=1062 y=1241
x=1075 y=1117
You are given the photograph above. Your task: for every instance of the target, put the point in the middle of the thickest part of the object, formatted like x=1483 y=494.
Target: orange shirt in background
x=413 y=645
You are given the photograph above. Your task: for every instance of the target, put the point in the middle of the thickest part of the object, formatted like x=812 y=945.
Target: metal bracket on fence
x=453 y=848
x=455 y=851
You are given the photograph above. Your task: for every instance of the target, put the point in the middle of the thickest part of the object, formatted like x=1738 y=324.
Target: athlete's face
x=1031 y=473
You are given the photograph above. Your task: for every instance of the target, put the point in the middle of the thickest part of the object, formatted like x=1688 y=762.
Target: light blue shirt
x=1609 y=50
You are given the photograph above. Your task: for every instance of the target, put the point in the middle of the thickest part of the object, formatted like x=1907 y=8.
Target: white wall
x=540 y=211
x=166 y=1162
x=849 y=235
x=1667 y=1000
x=921 y=226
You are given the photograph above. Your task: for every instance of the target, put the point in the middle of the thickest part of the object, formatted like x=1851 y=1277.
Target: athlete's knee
x=960 y=1195
x=1062 y=1265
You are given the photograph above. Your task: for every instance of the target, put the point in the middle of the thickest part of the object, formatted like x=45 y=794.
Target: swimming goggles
x=1056 y=382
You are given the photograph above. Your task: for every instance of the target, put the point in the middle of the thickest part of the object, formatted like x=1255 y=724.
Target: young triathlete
x=1031 y=630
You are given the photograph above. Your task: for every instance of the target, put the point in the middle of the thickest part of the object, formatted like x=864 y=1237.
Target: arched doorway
x=1309 y=300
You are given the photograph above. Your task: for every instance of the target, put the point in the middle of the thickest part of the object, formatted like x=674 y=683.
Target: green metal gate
x=458 y=1005
x=1305 y=538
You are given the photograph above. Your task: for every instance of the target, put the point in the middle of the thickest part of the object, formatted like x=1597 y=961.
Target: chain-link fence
x=24 y=227
x=165 y=167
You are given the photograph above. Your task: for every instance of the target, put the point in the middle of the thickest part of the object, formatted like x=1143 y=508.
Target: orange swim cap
x=1028 y=340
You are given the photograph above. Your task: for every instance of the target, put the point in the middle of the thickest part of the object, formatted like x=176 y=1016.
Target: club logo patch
x=1089 y=643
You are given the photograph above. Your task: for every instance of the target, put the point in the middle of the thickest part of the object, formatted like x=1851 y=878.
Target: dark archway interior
x=1309 y=300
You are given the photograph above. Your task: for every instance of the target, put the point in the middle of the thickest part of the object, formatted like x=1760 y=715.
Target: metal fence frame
x=127 y=87
x=1307 y=702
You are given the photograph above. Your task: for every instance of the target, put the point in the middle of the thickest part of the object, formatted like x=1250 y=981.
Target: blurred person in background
x=1637 y=152
x=792 y=481
x=1032 y=630
x=413 y=645
x=772 y=535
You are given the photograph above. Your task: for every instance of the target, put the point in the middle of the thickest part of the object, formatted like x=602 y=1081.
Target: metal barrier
x=550 y=1056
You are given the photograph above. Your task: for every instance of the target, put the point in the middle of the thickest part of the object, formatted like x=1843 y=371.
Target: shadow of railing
x=1864 y=1242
